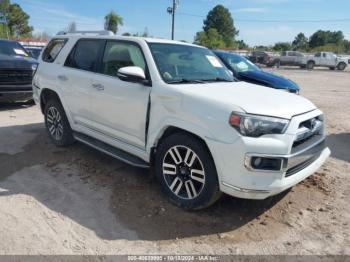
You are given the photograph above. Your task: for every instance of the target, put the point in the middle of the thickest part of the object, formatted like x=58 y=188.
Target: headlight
x=34 y=68
x=255 y=126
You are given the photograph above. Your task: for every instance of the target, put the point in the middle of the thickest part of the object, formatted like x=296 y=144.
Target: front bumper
x=279 y=185
x=16 y=96
x=14 y=93
x=238 y=180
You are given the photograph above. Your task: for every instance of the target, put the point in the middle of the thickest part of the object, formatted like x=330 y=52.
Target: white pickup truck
x=324 y=59
x=175 y=107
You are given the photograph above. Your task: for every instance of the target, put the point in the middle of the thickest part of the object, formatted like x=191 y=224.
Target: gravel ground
x=78 y=201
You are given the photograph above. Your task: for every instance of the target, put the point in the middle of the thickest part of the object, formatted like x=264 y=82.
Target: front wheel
x=341 y=66
x=186 y=172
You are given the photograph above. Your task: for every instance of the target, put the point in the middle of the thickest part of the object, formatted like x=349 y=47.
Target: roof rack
x=102 y=32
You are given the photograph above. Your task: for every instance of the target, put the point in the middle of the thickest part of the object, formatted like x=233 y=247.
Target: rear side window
x=53 y=49
x=85 y=55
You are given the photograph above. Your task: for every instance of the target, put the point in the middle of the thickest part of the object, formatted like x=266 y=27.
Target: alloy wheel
x=183 y=172
x=54 y=123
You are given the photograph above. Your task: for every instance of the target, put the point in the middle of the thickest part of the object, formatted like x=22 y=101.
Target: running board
x=111 y=151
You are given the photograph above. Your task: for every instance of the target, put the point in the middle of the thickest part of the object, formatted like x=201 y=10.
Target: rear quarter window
x=53 y=49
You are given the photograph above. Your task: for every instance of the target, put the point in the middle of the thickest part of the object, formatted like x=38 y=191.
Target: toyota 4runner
x=174 y=106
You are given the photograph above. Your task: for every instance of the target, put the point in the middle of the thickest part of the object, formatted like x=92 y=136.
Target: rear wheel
x=278 y=63
x=57 y=125
x=186 y=172
x=341 y=66
x=310 y=65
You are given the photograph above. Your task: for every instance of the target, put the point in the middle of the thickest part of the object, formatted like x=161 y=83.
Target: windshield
x=188 y=64
x=238 y=63
x=34 y=52
x=12 y=49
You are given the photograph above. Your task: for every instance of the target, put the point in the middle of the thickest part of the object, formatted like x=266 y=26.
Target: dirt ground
x=77 y=200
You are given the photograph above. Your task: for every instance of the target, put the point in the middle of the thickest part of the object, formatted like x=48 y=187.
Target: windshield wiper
x=185 y=80
x=217 y=79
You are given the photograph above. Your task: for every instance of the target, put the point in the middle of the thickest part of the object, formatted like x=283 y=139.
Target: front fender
x=157 y=132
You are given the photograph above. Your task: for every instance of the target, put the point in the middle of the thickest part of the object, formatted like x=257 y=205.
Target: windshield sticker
x=214 y=61
x=242 y=66
x=19 y=52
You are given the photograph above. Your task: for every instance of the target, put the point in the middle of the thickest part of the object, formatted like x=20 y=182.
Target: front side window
x=85 y=55
x=121 y=54
x=183 y=63
x=53 y=49
x=12 y=49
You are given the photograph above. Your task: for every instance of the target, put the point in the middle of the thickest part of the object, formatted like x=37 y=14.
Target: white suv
x=174 y=106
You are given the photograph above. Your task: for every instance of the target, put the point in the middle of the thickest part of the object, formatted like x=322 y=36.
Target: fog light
x=266 y=163
x=256 y=161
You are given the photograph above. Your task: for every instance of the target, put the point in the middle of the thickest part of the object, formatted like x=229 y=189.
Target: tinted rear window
x=85 y=54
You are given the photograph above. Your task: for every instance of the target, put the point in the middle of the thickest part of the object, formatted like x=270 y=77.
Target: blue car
x=245 y=70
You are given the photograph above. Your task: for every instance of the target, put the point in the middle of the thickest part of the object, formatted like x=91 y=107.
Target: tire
x=341 y=66
x=332 y=68
x=310 y=65
x=177 y=157
x=57 y=125
x=278 y=64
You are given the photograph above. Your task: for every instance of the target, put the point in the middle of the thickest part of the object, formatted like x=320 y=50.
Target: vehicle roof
x=225 y=52
x=128 y=38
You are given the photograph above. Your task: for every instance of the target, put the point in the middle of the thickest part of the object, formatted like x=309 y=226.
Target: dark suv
x=16 y=72
x=268 y=59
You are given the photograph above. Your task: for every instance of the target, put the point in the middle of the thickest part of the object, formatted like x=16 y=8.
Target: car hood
x=251 y=98
x=16 y=62
x=269 y=79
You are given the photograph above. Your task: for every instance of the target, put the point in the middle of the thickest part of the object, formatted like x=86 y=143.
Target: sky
x=289 y=17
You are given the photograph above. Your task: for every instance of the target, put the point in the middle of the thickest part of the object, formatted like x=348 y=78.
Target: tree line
x=15 y=21
x=332 y=41
x=219 y=32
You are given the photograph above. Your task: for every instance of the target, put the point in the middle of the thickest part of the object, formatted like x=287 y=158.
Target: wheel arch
x=342 y=62
x=47 y=94
x=172 y=129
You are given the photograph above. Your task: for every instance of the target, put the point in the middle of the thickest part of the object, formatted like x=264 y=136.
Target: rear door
x=119 y=107
x=76 y=78
x=331 y=59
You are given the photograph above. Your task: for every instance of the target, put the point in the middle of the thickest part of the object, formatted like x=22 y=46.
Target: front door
x=119 y=107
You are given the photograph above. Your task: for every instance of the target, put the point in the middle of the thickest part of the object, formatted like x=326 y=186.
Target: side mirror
x=131 y=74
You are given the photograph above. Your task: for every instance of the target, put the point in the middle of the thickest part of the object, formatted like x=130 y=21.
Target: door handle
x=62 y=77
x=98 y=87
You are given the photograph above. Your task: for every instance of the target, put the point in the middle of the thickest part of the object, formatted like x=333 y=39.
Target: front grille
x=311 y=132
x=17 y=76
x=301 y=166
x=301 y=144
